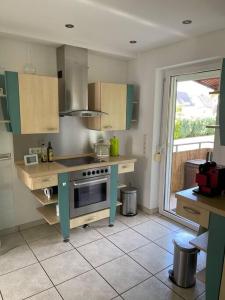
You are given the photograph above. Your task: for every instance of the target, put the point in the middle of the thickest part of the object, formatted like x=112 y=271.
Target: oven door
x=89 y=195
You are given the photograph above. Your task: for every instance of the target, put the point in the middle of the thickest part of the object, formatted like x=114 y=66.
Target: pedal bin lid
x=129 y=190
x=185 y=246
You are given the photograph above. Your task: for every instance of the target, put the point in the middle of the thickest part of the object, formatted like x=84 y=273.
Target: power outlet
x=35 y=150
x=145 y=144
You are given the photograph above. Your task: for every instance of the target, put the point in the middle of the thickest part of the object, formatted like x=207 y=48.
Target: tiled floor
x=128 y=261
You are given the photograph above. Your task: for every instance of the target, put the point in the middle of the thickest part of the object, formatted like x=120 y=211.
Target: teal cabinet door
x=4 y=116
x=222 y=106
x=215 y=256
x=113 y=193
x=63 y=201
x=130 y=105
x=12 y=92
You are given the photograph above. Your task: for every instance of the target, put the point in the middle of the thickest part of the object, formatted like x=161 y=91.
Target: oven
x=89 y=191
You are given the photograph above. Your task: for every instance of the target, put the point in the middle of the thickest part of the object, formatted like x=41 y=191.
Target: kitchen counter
x=208 y=212
x=212 y=204
x=53 y=168
x=45 y=175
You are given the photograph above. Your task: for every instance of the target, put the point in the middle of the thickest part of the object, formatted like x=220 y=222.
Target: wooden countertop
x=212 y=204
x=43 y=169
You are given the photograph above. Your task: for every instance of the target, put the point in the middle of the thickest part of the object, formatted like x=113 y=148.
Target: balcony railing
x=198 y=145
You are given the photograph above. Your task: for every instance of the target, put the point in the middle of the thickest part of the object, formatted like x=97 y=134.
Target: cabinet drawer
x=44 y=181
x=125 y=168
x=89 y=218
x=192 y=212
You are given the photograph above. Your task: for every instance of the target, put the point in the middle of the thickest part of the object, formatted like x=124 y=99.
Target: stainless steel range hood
x=72 y=65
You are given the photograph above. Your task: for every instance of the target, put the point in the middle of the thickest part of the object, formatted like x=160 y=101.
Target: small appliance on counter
x=210 y=179
x=102 y=149
x=114 y=146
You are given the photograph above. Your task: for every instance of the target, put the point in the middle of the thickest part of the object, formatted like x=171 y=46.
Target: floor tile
x=128 y=240
x=152 y=257
x=202 y=297
x=49 y=246
x=65 y=266
x=16 y=258
x=152 y=230
x=50 y=294
x=188 y=294
x=38 y=232
x=24 y=283
x=100 y=252
x=166 y=242
x=81 y=236
x=135 y=220
x=104 y=229
x=123 y=273
x=11 y=241
x=151 y=289
x=86 y=286
x=172 y=225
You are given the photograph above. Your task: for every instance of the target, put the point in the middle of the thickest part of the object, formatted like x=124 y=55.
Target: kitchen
x=138 y=144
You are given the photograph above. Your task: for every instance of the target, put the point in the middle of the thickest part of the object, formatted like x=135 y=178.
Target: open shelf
x=201 y=242
x=48 y=212
x=121 y=185
x=4 y=121
x=214 y=93
x=40 y=196
x=212 y=126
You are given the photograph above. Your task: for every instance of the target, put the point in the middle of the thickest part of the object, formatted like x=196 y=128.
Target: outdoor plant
x=185 y=128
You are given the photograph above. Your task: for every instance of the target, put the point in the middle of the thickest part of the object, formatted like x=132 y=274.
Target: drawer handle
x=124 y=167
x=51 y=128
x=108 y=126
x=45 y=180
x=191 y=210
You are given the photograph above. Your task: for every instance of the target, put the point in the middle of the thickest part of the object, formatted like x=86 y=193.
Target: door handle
x=5 y=156
x=90 y=182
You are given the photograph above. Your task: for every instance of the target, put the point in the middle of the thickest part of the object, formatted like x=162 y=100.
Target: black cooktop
x=77 y=161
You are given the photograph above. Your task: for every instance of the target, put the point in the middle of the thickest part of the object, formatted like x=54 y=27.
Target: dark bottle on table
x=50 y=152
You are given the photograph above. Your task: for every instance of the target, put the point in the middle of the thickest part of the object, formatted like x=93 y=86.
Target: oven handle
x=90 y=182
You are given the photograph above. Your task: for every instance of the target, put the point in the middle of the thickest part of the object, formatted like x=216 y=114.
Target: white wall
x=73 y=138
x=145 y=72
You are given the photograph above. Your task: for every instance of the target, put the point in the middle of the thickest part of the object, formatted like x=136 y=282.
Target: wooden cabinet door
x=38 y=104
x=113 y=102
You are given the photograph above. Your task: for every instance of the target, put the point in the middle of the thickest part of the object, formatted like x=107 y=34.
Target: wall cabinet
x=114 y=99
x=32 y=103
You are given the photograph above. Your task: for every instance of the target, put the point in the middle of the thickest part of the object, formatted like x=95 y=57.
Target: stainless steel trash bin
x=129 y=201
x=184 y=264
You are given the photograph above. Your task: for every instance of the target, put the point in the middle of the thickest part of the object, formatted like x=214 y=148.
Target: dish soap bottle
x=114 y=146
x=50 y=152
x=43 y=153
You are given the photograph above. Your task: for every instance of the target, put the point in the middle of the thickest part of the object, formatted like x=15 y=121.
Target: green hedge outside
x=185 y=128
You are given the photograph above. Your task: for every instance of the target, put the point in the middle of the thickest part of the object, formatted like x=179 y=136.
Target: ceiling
x=109 y=25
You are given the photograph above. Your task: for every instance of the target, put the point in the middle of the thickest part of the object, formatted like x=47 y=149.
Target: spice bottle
x=43 y=153
x=50 y=152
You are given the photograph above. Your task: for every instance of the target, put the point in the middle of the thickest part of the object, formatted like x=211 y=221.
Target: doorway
x=191 y=114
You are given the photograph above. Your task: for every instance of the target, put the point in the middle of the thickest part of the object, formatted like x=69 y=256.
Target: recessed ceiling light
x=187 y=22
x=133 y=42
x=69 y=26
